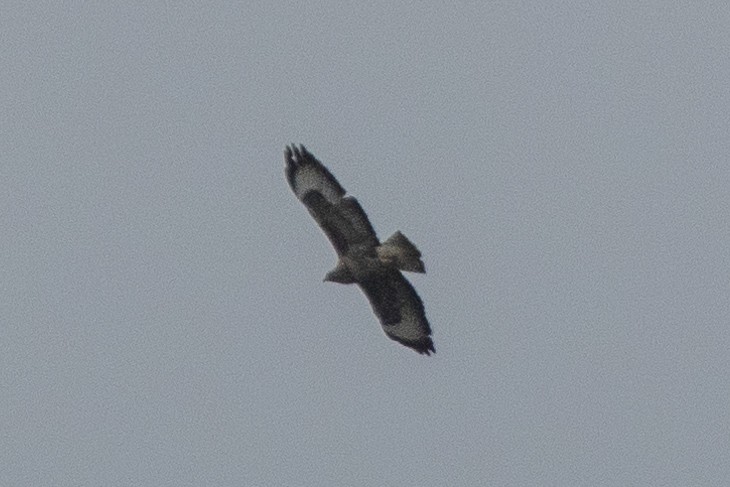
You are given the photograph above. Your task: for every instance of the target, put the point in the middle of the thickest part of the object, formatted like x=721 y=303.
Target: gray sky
x=563 y=168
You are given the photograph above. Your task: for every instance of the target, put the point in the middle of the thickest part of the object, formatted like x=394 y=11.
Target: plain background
x=563 y=167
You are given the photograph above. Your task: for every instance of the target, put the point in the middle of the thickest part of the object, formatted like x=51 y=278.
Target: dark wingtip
x=423 y=346
x=295 y=155
x=427 y=348
x=290 y=163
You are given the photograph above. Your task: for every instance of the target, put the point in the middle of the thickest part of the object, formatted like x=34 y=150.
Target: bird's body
x=362 y=259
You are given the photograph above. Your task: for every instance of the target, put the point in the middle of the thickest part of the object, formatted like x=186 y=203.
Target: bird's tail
x=400 y=252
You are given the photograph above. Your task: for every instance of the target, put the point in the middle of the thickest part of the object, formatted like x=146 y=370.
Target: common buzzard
x=362 y=259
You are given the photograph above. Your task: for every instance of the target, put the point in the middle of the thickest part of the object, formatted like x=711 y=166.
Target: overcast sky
x=562 y=166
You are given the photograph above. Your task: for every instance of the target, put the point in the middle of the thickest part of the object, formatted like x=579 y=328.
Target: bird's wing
x=400 y=310
x=341 y=217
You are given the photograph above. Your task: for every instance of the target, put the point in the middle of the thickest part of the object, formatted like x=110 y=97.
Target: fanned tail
x=400 y=252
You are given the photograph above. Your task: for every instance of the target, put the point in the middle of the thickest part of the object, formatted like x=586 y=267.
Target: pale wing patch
x=310 y=178
x=409 y=328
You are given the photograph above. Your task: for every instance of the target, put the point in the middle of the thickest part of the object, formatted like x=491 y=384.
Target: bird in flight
x=362 y=259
